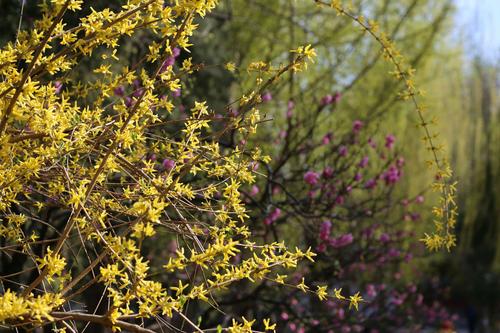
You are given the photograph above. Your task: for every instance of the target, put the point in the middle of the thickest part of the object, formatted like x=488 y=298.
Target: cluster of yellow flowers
x=446 y=212
x=84 y=147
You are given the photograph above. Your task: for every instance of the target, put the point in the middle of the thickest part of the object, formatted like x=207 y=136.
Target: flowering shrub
x=97 y=170
x=336 y=192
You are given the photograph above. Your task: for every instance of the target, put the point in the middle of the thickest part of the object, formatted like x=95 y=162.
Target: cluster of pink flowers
x=272 y=217
x=330 y=99
x=170 y=61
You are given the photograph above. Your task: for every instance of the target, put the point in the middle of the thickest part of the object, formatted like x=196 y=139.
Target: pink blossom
x=384 y=238
x=325 y=229
x=327 y=172
x=254 y=165
x=321 y=248
x=119 y=91
x=419 y=199
x=342 y=241
x=176 y=93
x=364 y=162
x=392 y=175
x=311 y=178
x=169 y=62
x=370 y=184
x=358 y=176
x=341 y=313
x=168 y=164
x=342 y=150
x=371 y=291
x=129 y=102
x=266 y=97
x=271 y=218
x=357 y=126
x=58 y=85
x=176 y=52
x=326 y=139
x=393 y=253
x=389 y=141
x=328 y=99
x=254 y=191
x=138 y=92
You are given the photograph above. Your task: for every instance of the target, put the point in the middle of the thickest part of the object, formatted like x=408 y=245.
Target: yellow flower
x=354 y=300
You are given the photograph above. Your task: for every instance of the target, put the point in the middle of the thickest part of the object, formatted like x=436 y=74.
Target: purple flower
x=58 y=85
x=393 y=253
x=275 y=214
x=271 y=218
x=233 y=113
x=168 y=164
x=389 y=141
x=119 y=91
x=129 y=102
x=324 y=230
x=392 y=175
x=176 y=93
x=169 y=62
x=419 y=199
x=176 y=52
x=415 y=216
x=136 y=84
x=138 y=92
x=311 y=177
x=254 y=165
x=384 y=238
x=357 y=126
x=357 y=177
x=266 y=97
x=370 y=184
x=342 y=150
x=328 y=99
x=371 y=291
x=254 y=191
x=327 y=138
x=364 y=162
x=327 y=172
x=341 y=241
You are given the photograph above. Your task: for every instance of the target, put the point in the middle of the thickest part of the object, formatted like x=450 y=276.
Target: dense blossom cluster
x=95 y=170
x=446 y=212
